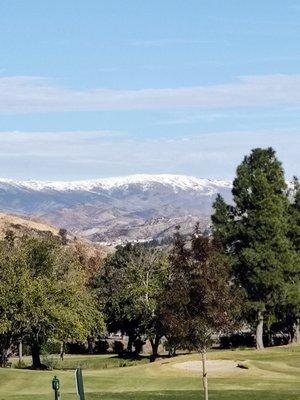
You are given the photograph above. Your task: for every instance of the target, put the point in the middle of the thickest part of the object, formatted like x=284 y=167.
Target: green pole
x=79 y=383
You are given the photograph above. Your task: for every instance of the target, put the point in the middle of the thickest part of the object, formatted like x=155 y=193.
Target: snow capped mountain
x=135 y=207
x=177 y=182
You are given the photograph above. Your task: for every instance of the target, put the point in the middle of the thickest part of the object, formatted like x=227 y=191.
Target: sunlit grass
x=273 y=374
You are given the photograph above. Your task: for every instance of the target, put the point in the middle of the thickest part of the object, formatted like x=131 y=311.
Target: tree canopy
x=255 y=234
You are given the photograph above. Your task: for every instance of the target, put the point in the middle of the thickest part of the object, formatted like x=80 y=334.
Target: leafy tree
x=117 y=303
x=43 y=294
x=148 y=271
x=130 y=285
x=199 y=300
x=15 y=282
x=255 y=235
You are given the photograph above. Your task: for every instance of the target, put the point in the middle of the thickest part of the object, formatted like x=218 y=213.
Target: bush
x=49 y=361
x=20 y=365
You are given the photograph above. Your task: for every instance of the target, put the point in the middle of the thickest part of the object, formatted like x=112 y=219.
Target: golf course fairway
x=271 y=374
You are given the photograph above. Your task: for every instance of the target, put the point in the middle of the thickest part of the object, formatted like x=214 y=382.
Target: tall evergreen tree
x=292 y=303
x=258 y=236
x=221 y=218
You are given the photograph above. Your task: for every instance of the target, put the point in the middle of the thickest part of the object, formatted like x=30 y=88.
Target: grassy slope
x=21 y=224
x=272 y=375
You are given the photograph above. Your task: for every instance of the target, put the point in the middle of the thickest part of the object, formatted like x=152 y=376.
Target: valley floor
x=272 y=374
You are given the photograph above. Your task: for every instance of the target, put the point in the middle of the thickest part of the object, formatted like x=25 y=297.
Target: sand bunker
x=211 y=366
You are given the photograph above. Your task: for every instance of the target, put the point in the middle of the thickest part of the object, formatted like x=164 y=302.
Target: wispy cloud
x=81 y=155
x=56 y=137
x=34 y=94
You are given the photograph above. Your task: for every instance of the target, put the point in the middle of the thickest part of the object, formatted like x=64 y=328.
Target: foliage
x=199 y=300
x=43 y=294
x=255 y=234
x=130 y=286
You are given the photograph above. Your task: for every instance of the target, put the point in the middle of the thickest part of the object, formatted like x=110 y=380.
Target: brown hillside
x=21 y=226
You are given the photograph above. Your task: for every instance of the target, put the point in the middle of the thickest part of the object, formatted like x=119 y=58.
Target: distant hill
x=114 y=210
x=21 y=226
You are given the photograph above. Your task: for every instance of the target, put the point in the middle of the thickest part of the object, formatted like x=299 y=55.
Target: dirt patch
x=213 y=366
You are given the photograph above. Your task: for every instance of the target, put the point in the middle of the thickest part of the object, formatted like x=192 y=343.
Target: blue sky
x=104 y=88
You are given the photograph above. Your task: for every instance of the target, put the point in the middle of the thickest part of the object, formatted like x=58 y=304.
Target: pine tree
x=294 y=211
x=222 y=222
x=292 y=304
x=258 y=237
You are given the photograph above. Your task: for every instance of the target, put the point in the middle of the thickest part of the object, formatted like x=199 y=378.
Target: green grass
x=90 y=362
x=273 y=374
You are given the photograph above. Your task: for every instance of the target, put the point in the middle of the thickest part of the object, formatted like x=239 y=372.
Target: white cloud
x=34 y=94
x=46 y=137
x=85 y=155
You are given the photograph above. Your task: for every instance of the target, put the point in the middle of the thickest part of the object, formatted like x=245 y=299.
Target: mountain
x=113 y=210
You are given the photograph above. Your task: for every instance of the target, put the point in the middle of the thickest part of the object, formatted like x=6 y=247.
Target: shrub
x=49 y=361
x=20 y=365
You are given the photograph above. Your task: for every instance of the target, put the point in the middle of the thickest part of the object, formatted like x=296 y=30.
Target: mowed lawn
x=271 y=374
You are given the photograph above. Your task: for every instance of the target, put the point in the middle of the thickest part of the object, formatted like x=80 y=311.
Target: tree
x=43 y=294
x=148 y=269
x=115 y=300
x=292 y=300
x=255 y=234
x=199 y=300
x=63 y=234
x=60 y=304
x=222 y=221
x=15 y=283
x=129 y=286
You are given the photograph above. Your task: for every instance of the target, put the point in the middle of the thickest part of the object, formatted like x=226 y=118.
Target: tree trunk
x=154 y=344
x=35 y=354
x=90 y=341
x=62 y=351
x=6 y=342
x=296 y=332
x=204 y=374
x=131 y=339
x=259 y=331
x=20 y=352
x=4 y=358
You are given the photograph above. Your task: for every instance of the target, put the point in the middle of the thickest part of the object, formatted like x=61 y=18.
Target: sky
x=92 y=89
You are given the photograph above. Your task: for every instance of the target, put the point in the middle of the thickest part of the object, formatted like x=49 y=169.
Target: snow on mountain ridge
x=177 y=182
